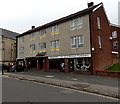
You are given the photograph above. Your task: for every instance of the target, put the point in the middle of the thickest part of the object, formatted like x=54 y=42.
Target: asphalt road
x=14 y=90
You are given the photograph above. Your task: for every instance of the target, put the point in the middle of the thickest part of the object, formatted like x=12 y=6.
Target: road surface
x=26 y=91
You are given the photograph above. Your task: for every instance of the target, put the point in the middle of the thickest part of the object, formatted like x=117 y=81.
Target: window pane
x=73 y=42
x=44 y=45
x=79 y=22
x=80 y=41
x=33 y=47
x=115 y=44
x=114 y=34
x=99 y=41
x=98 y=22
x=57 y=43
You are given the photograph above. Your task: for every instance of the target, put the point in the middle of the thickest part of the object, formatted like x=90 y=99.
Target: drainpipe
x=90 y=25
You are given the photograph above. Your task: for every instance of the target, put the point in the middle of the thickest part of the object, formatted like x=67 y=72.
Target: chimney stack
x=90 y=4
x=33 y=27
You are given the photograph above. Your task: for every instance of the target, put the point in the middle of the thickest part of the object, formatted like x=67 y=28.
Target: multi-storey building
x=78 y=42
x=7 y=46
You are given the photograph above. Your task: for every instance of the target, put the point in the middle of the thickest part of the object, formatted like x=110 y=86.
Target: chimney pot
x=33 y=27
x=90 y=4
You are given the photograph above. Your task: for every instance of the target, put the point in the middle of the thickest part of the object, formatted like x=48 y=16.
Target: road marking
x=63 y=88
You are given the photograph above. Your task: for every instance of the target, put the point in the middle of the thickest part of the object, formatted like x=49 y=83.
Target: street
x=25 y=91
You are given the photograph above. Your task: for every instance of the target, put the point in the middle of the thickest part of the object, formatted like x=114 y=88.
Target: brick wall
x=102 y=58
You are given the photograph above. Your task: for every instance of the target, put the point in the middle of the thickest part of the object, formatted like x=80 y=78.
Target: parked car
x=4 y=67
x=11 y=64
x=17 y=68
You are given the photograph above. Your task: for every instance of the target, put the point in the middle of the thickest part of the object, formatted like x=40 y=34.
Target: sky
x=20 y=15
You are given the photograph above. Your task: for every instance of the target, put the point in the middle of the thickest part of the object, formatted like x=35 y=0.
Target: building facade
x=7 y=46
x=75 y=43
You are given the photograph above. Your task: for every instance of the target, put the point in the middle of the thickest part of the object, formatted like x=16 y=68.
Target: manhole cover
x=49 y=76
x=81 y=85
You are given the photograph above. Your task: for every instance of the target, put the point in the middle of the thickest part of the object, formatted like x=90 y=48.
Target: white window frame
x=80 y=41
x=74 y=42
x=73 y=24
x=99 y=41
x=114 y=34
x=98 y=23
x=52 y=44
x=55 y=44
x=55 y=28
x=115 y=44
x=79 y=22
x=76 y=23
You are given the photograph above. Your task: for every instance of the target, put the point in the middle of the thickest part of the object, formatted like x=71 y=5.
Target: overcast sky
x=20 y=15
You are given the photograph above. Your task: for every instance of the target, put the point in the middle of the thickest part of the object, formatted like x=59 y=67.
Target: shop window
x=54 y=64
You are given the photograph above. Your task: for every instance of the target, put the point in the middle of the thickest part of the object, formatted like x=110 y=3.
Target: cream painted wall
x=65 y=33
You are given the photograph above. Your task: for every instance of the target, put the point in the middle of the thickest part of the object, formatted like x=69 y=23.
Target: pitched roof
x=80 y=13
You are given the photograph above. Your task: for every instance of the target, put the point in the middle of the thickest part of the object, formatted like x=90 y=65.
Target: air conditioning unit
x=110 y=38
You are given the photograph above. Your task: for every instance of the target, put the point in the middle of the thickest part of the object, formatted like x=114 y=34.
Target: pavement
x=101 y=85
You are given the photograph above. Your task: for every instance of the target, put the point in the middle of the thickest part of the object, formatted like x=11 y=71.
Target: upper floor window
x=32 y=47
x=80 y=41
x=21 y=49
x=76 y=23
x=77 y=41
x=115 y=44
x=114 y=34
x=98 y=22
x=55 y=28
x=54 y=44
x=99 y=41
x=42 y=46
x=22 y=39
x=43 y=31
x=32 y=35
x=74 y=42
